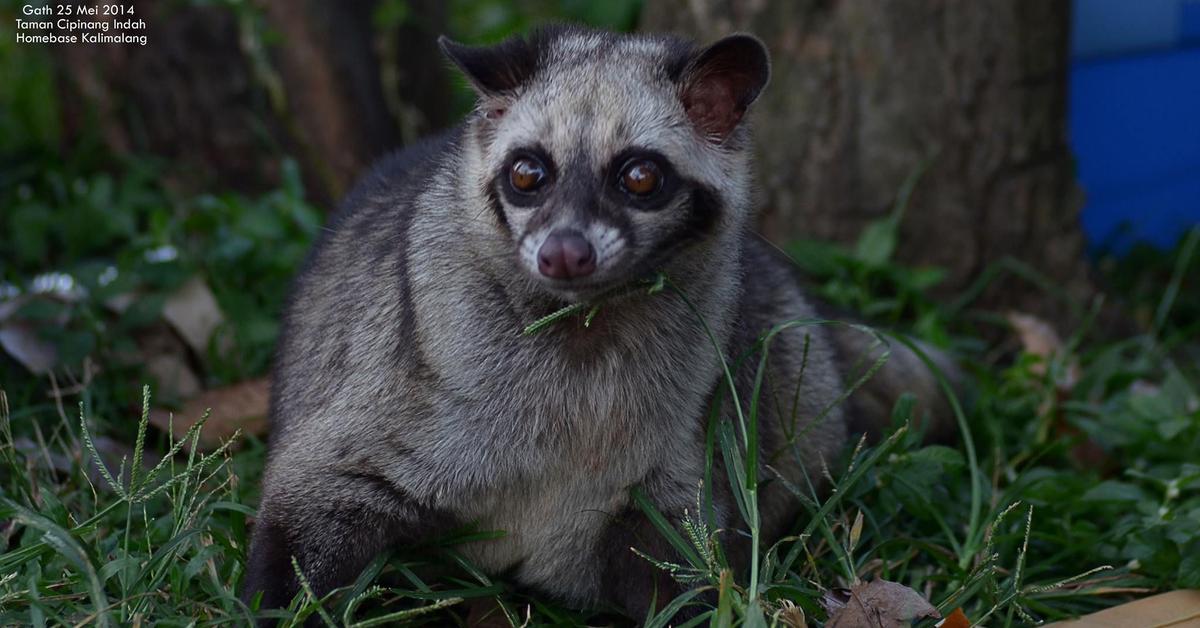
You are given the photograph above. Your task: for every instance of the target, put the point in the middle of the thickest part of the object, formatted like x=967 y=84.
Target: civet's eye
x=527 y=174
x=641 y=177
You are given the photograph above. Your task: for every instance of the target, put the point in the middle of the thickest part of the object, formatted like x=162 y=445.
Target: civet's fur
x=407 y=401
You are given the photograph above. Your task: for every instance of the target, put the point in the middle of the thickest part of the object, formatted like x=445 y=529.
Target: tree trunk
x=190 y=95
x=865 y=91
x=223 y=104
x=330 y=76
x=335 y=82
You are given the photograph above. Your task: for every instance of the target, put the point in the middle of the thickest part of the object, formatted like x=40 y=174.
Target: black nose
x=566 y=255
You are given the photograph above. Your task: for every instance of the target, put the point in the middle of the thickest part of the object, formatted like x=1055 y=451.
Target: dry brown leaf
x=956 y=619
x=1177 y=609
x=193 y=312
x=881 y=604
x=175 y=378
x=1039 y=338
x=832 y=600
x=164 y=356
x=21 y=341
x=1036 y=335
x=240 y=406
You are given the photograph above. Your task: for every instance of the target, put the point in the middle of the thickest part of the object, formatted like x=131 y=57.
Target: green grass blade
x=1172 y=291
x=664 y=617
x=665 y=528
x=68 y=547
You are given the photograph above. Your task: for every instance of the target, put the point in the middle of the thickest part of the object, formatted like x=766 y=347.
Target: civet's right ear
x=495 y=72
x=721 y=81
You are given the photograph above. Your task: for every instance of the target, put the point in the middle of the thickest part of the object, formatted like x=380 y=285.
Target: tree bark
x=224 y=104
x=331 y=78
x=189 y=96
x=864 y=91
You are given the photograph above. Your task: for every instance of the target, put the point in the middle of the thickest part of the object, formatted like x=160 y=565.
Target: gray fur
x=407 y=400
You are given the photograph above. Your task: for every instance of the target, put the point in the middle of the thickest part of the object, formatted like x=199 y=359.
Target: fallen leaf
x=175 y=378
x=10 y=305
x=242 y=406
x=193 y=312
x=1178 y=609
x=22 y=342
x=1036 y=335
x=881 y=604
x=956 y=619
x=833 y=600
x=164 y=355
x=1039 y=338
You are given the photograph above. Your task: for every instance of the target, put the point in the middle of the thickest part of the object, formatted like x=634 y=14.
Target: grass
x=1075 y=487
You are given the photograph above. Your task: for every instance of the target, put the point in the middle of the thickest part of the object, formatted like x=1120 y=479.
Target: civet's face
x=604 y=155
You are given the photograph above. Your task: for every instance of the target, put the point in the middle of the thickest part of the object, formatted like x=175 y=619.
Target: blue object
x=1134 y=119
x=1112 y=27
x=1189 y=23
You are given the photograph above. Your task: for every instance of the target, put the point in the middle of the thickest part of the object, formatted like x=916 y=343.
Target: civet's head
x=604 y=157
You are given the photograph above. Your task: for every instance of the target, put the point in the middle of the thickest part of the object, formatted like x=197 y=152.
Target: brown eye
x=641 y=178
x=527 y=174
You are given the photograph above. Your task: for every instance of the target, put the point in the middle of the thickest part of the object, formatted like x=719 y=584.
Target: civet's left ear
x=494 y=71
x=720 y=83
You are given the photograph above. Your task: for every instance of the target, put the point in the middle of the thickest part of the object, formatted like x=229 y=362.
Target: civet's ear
x=494 y=71
x=721 y=81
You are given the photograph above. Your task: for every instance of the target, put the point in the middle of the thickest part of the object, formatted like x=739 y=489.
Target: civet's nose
x=566 y=255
